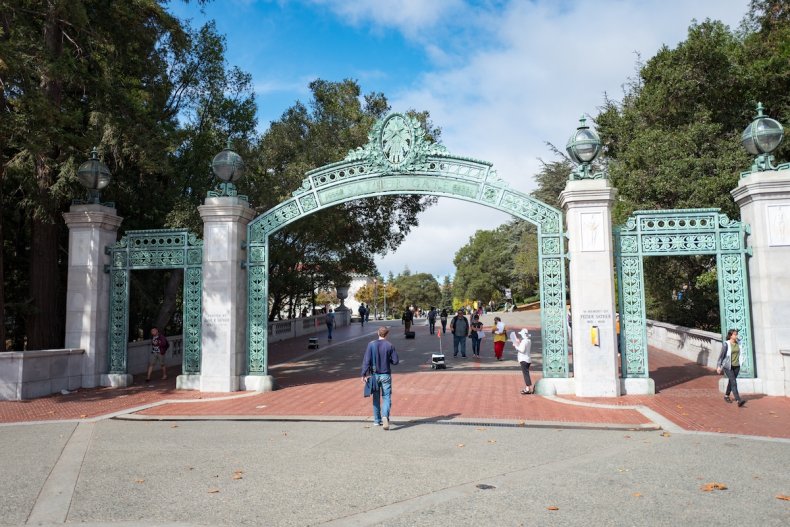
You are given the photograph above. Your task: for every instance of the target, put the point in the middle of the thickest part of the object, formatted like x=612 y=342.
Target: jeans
x=459 y=344
x=732 y=383
x=329 y=328
x=475 y=345
x=385 y=389
x=431 y=326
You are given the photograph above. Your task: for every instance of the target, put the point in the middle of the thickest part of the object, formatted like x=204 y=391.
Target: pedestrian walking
x=361 y=311
x=443 y=320
x=385 y=355
x=476 y=335
x=407 y=319
x=499 y=337
x=159 y=345
x=729 y=361
x=523 y=347
x=432 y=320
x=330 y=323
x=460 y=329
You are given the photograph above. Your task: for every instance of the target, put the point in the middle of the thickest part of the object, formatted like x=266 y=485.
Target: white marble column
x=587 y=204
x=224 y=326
x=764 y=198
x=91 y=229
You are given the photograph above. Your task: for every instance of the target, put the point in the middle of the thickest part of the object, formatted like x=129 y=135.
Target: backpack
x=163 y=344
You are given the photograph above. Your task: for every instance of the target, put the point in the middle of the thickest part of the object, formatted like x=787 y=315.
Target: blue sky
x=501 y=78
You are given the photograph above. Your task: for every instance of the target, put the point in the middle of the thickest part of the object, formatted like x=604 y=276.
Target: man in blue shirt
x=385 y=355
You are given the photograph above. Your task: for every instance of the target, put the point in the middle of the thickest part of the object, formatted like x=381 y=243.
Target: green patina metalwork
x=399 y=159
x=155 y=249
x=679 y=233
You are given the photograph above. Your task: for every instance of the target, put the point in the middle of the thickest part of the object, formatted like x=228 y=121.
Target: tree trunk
x=168 y=306
x=45 y=321
x=2 y=275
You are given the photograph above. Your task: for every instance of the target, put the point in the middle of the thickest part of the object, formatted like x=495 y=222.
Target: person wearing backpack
x=378 y=356
x=159 y=345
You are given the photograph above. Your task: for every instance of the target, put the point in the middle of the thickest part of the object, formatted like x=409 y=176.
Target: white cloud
x=410 y=17
x=503 y=102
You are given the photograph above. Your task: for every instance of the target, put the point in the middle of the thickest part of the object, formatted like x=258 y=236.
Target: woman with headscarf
x=523 y=346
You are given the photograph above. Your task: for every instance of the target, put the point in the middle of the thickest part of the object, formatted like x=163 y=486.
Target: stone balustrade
x=695 y=345
x=31 y=374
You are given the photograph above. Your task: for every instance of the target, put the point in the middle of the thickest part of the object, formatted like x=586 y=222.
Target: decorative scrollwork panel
x=673 y=233
x=400 y=159
x=156 y=249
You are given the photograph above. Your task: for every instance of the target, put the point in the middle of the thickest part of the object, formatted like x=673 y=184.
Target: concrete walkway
x=465 y=449
x=324 y=384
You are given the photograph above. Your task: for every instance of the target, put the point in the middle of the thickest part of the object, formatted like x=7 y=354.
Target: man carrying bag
x=376 y=375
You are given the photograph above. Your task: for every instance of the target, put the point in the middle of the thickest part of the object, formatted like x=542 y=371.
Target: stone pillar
x=223 y=339
x=91 y=228
x=764 y=199
x=587 y=205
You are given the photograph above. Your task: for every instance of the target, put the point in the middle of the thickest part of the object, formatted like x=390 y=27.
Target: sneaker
x=741 y=403
x=386 y=423
x=727 y=399
x=376 y=424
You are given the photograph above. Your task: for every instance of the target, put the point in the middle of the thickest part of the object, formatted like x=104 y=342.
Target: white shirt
x=524 y=347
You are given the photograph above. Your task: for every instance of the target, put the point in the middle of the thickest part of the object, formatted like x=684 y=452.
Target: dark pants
x=475 y=345
x=459 y=344
x=525 y=372
x=444 y=325
x=431 y=326
x=732 y=383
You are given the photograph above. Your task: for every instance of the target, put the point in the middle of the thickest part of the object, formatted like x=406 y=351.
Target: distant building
x=357 y=281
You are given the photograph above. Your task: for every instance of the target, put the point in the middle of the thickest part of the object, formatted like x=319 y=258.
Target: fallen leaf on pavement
x=492 y=440
x=713 y=486
x=237 y=476
x=82 y=416
x=460 y=445
x=139 y=481
x=782 y=497
x=627 y=437
x=637 y=495
x=174 y=426
x=213 y=491
x=665 y=434
x=552 y=508
x=480 y=429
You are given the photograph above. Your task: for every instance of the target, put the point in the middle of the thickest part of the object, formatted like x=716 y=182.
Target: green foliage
x=674 y=140
x=341 y=240
x=418 y=290
x=153 y=94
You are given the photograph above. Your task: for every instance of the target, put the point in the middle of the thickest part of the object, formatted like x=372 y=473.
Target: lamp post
x=94 y=176
x=375 y=298
x=583 y=147
x=228 y=166
x=384 y=286
x=761 y=137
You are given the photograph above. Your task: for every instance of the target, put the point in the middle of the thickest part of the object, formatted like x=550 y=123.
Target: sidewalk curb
x=466 y=421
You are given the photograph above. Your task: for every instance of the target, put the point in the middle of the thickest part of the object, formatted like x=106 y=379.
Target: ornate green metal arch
x=155 y=249
x=676 y=233
x=398 y=159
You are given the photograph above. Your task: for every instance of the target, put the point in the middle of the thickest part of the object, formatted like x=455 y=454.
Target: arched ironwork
x=399 y=159
x=681 y=232
x=155 y=249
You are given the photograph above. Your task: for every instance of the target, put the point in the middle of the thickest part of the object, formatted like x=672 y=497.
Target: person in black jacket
x=408 y=318
x=460 y=328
